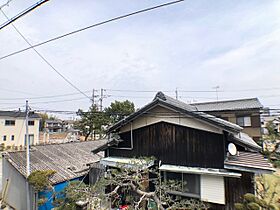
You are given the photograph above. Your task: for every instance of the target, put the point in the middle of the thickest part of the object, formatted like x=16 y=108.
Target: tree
x=272 y=134
x=91 y=121
x=119 y=110
x=251 y=202
x=44 y=117
x=95 y=122
x=131 y=185
x=40 y=181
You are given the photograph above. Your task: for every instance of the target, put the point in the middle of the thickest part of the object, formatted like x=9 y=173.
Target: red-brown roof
x=248 y=161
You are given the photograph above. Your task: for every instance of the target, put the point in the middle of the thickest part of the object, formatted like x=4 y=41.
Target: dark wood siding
x=173 y=144
x=236 y=188
x=256 y=121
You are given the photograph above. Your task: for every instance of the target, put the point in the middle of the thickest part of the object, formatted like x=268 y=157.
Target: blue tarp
x=49 y=195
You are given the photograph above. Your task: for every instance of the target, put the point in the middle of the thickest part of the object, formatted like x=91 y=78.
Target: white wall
x=16 y=190
x=18 y=130
x=161 y=114
x=212 y=189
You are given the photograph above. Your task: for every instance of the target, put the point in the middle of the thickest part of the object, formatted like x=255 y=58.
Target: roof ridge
x=223 y=101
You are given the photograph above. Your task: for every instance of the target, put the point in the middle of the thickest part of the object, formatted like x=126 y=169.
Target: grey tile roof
x=180 y=106
x=69 y=160
x=245 y=140
x=249 y=160
x=241 y=104
x=18 y=114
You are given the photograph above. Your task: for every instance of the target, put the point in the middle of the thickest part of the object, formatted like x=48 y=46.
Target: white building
x=12 y=128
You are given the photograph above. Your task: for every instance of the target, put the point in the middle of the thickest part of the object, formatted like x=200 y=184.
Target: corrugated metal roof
x=196 y=170
x=240 y=104
x=250 y=161
x=18 y=114
x=69 y=160
x=127 y=162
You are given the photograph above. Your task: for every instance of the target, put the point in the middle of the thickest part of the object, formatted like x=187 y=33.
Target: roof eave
x=241 y=167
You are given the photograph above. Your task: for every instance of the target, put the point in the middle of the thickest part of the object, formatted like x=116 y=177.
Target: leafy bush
x=239 y=206
x=40 y=179
x=253 y=206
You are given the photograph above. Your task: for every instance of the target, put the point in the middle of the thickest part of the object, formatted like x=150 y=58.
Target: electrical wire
x=21 y=14
x=42 y=97
x=92 y=26
x=5 y=4
x=45 y=60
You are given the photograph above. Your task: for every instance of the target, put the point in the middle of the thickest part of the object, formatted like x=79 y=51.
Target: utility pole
x=217 y=87
x=27 y=156
x=101 y=98
x=93 y=96
x=176 y=92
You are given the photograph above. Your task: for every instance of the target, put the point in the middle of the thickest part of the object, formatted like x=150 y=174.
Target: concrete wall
x=18 y=130
x=15 y=195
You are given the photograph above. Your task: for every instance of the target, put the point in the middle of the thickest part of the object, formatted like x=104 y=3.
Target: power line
x=92 y=26
x=21 y=14
x=42 y=97
x=48 y=102
x=45 y=60
x=5 y=4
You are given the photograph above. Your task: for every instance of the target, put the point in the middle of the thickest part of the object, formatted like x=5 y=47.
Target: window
x=10 y=122
x=12 y=137
x=4 y=138
x=31 y=123
x=244 y=121
x=189 y=184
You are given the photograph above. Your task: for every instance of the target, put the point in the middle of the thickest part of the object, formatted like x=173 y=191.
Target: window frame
x=241 y=121
x=31 y=122
x=12 y=137
x=4 y=138
x=11 y=122
x=182 y=193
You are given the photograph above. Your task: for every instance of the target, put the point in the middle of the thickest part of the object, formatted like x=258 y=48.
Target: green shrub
x=276 y=164
x=239 y=206
x=262 y=203
x=249 y=198
x=40 y=179
x=253 y=206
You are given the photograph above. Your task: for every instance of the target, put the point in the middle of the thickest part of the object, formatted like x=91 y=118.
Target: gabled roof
x=18 y=114
x=240 y=104
x=181 y=107
x=69 y=160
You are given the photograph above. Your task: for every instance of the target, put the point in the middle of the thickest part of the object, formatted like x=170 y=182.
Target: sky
x=191 y=46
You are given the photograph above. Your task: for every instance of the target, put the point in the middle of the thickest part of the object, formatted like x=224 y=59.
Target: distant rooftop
x=69 y=160
x=239 y=104
x=18 y=114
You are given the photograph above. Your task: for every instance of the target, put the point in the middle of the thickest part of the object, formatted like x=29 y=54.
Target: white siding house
x=12 y=128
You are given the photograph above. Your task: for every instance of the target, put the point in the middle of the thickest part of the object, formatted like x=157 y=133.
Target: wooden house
x=192 y=146
x=243 y=112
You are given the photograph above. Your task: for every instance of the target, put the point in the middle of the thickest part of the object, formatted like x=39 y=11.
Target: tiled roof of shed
x=16 y=114
x=69 y=160
x=240 y=104
x=249 y=160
